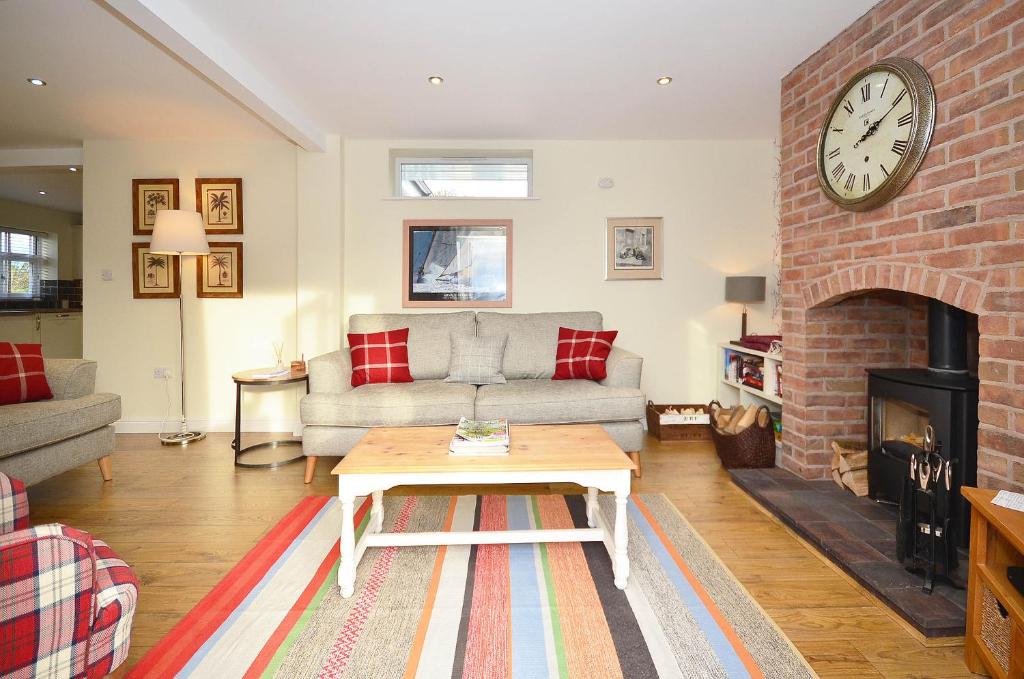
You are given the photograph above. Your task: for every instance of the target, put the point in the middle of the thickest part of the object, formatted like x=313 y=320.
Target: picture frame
x=154 y=276
x=634 y=249
x=149 y=196
x=219 y=201
x=463 y=263
x=220 y=273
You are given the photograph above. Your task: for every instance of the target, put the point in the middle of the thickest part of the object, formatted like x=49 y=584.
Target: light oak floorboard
x=184 y=517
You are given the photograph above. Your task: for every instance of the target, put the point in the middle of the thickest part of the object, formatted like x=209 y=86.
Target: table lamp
x=744 y=290
x=180 y=232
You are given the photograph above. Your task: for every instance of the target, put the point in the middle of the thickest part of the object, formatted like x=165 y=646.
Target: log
x=850 y=467
x=856 y=481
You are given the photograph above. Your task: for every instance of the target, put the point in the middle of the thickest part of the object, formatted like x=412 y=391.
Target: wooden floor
x=184 y=517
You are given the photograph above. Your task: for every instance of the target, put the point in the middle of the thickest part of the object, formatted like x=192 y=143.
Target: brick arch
x=959 y=291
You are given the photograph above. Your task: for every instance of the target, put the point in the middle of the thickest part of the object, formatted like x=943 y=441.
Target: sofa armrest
x=331 y=373
x=70 y=377
x=13 y=505
x=624 y=369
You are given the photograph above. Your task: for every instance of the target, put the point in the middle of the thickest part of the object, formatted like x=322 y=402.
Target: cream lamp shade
x=179 y=232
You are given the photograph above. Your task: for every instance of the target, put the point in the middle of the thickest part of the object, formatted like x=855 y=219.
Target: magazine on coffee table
x=480 y=437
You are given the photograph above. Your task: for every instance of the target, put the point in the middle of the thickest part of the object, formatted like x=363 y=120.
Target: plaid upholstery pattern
x=13 y=504
x=22 y=378
x=581 y=354
x=66 y=604
x=379 y=357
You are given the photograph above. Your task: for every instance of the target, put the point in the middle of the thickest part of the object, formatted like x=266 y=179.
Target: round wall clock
x=876 y=134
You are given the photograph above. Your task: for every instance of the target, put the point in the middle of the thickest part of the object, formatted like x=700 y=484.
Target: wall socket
x=161 y=373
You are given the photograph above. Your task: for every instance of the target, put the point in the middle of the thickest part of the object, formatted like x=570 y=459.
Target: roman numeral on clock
x=837 y=129
x=884 y=171
x=865 y=92
x=848 y=107
x=833 y=154
x=850 y=181
x=906 y=119
x=837 y=171
x=899 y=147
x=866 y=182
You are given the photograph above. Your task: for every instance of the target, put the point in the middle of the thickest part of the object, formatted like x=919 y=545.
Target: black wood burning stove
x=903 y=403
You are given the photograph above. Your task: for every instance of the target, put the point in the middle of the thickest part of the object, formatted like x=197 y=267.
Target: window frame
x=483 y=158
x=36 y=262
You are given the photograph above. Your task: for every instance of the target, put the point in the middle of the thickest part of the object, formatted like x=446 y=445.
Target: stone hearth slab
x=858 y=535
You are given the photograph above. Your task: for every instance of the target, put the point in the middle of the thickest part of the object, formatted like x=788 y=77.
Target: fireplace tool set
x=923 y=535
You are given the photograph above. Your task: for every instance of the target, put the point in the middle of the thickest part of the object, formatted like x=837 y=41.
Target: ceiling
x=531 y=69
x=63 y=188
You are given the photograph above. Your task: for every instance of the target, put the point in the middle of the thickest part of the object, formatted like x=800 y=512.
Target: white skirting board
x=218 y=425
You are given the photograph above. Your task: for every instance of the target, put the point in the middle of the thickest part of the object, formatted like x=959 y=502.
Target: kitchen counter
x=20 y=312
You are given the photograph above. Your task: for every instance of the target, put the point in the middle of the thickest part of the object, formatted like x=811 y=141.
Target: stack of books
x=480 y=437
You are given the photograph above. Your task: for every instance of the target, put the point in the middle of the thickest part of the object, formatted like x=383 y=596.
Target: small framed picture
x=148 y=197
x=219 y=274
x=634 y=249
x=220 y=202
x=457 y=263
x=154 y=276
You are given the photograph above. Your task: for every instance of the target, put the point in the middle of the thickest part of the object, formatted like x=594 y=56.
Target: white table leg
x=621 y=562
x=377 y=512
x=592 y=507
x=347 y=567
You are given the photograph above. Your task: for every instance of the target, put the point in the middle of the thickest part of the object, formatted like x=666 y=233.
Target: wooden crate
x=697 y=430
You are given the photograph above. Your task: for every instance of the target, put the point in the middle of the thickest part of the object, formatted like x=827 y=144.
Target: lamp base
x=182 y=438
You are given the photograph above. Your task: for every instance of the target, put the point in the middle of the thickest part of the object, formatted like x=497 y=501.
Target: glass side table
x=248 y=378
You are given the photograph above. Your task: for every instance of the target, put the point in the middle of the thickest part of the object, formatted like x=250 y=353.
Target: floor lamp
x=180 y=232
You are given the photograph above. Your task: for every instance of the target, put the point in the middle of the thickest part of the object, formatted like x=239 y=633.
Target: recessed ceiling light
x=664 y=80
x=73 y=169
x=435 y=80
x=42 y=193
x=36 y=81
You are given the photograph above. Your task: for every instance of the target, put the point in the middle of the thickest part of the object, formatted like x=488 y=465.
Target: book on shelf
x=480 y=437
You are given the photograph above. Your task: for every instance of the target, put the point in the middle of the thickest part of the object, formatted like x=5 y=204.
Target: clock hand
x=874 y=126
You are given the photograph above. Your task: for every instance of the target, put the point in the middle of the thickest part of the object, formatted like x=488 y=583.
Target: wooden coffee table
x=389 y=457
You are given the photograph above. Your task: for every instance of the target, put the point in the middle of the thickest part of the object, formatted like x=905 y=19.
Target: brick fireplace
x=854 y=284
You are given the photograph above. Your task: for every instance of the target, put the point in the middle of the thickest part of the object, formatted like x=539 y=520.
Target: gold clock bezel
x=922 y=99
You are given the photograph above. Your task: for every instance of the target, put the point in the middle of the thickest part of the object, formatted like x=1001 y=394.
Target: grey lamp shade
x=744 y=289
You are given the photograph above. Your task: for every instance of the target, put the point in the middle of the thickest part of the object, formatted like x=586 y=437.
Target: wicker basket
x=754 y=447
x=996 y=628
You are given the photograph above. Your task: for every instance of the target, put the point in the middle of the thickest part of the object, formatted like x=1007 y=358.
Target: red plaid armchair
x=66 y=600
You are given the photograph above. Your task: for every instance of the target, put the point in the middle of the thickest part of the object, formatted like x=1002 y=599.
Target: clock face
x=876 y=134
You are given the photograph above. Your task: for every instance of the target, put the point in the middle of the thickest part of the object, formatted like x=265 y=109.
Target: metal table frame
x=236 y=442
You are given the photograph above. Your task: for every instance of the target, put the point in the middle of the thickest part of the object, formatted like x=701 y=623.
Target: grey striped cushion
x=476 y=360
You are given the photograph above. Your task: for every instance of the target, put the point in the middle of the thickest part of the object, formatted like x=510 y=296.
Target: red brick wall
x=955 y=233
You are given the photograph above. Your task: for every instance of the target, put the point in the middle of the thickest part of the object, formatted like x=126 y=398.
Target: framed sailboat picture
x=457 y=263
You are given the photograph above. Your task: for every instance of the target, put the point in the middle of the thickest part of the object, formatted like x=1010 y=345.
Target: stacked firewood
x=850 y=467
x=736 y=419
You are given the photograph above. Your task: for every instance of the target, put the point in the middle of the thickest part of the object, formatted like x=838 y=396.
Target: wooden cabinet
x=994 y=644
x=60 y=334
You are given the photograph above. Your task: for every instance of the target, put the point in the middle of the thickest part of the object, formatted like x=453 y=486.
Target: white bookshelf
x=735 y=393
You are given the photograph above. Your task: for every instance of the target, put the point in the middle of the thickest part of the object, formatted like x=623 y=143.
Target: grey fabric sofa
x=335 y=415
x=44 y=438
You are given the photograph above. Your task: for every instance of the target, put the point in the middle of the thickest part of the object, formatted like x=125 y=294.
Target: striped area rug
x=480 y=612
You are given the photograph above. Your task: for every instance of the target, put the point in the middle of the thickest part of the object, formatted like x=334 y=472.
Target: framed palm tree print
x=154 y=276
x=148 y=197
x=220 y=203
x=219 y=274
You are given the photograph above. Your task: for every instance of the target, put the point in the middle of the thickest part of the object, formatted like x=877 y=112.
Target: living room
x=545 y=218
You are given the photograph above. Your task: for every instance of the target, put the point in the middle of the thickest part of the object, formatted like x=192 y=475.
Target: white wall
x=129 y=338
x=716 y=198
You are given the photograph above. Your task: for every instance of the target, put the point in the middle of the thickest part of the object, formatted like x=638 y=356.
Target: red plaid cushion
x=21 y=374
x=581 y=354
x=13 y=504
x=379 y=357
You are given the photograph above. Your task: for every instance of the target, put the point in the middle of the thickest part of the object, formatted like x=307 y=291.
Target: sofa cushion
x=423 y=402
x=555 y=402
x=24 y=426
x=532 y=339
x=581 y=354
x=429 y=337
x=380 y=357
x=476 y=360
x=22 y=375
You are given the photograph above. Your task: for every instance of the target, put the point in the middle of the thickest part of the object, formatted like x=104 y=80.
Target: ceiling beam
x=40 y=157
x=176 y=29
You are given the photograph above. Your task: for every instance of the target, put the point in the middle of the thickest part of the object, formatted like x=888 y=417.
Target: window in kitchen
x=23 y=257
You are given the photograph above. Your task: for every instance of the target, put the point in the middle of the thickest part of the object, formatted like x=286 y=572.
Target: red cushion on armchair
x=22 y=378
